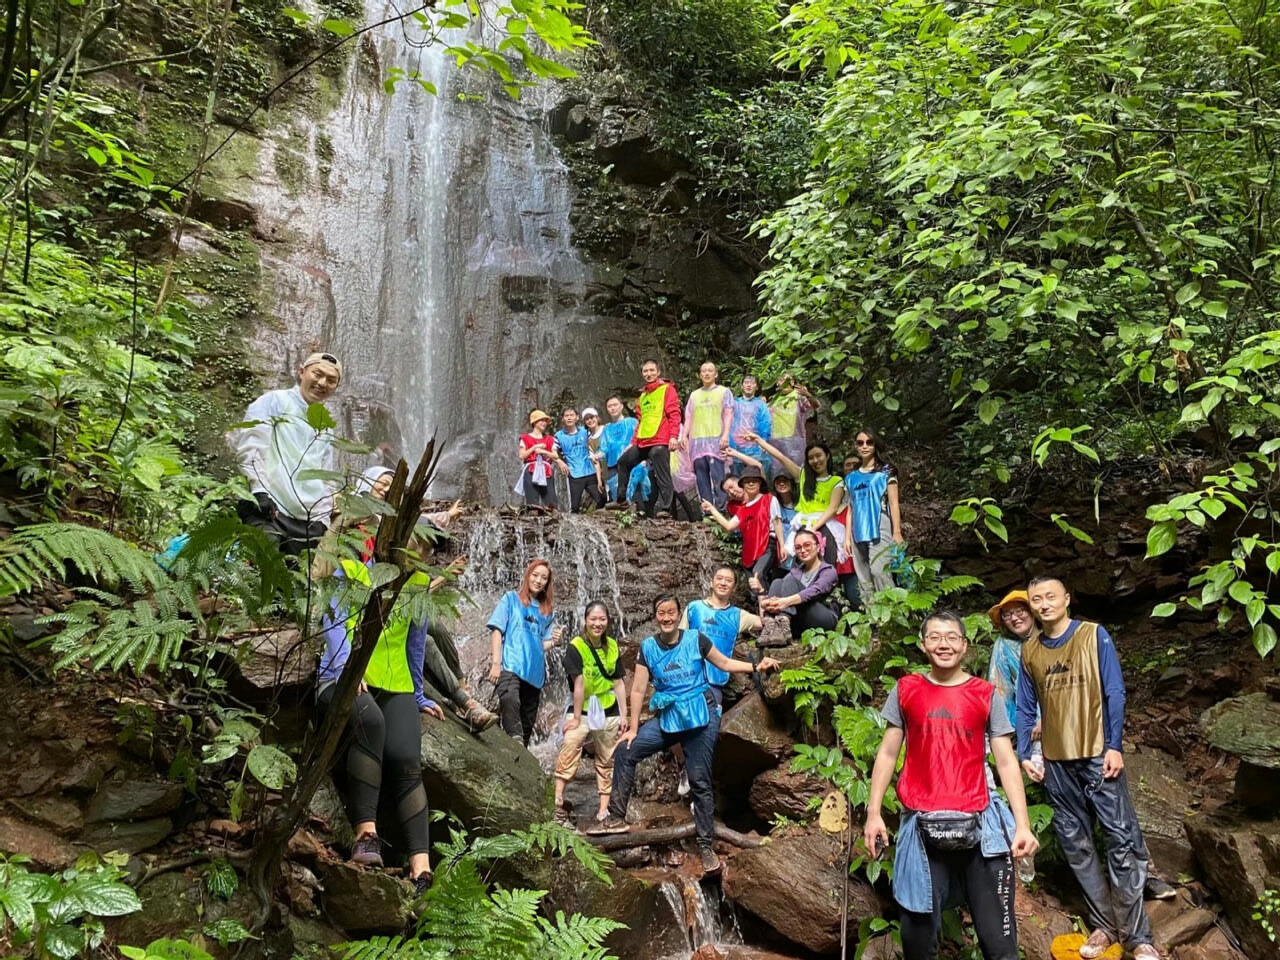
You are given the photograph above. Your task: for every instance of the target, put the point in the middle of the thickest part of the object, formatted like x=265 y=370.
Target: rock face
x=364 y=901
x=1249 y=727
x=46 y=850
x=794 y=884
x=133 y=800
x=1158 y=786
x=1241 y=859
x=778 y=792
x=488 y=780
x=752 y=739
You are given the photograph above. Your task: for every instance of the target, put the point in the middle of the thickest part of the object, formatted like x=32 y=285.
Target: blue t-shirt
x=523 y=628
x=722 y=626
x=615 y=437
x=573 y=447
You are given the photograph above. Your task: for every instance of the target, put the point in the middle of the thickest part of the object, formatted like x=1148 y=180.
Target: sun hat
x=751 y=473
x=1013 y=596
x=538 y=415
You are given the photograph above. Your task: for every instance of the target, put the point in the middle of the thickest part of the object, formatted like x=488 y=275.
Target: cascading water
x=583 y=569
x=702 y=910
x=428 y=244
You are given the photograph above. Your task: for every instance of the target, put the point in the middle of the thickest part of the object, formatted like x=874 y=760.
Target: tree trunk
x=280 y=823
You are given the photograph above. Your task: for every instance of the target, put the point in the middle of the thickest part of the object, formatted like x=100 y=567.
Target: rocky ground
x=93 y=762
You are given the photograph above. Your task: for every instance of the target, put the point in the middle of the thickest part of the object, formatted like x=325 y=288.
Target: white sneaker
x=684 y=788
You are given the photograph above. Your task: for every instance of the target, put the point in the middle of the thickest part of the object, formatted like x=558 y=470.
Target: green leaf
x=1161 y=538
x=1241 y=591
x=63 y=940
x=97 y=156
x=1164 y=609
x=1273 y=561
x=165 y=949
x=102 y=897
x=1264 y=639
x=221 y=879
x=319 y=418
x=272 y=767
x=988 y=408
x=1215 y=308
x=1188 y=292
x=339 y=28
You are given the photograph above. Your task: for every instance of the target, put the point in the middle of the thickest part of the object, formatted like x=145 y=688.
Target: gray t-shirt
x=998 y=724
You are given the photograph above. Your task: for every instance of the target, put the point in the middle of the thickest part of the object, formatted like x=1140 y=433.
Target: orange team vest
x=1069 y=687
x=651 y=406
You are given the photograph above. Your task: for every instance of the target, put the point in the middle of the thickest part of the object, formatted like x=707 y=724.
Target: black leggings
x=988 y=888
x=517 y=706
x=385 y=735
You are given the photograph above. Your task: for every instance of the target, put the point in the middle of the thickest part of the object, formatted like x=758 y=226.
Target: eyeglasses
x=939 y=637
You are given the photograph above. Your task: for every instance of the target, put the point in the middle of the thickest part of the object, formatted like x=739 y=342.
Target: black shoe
x=1157 y=889
x=422 y=883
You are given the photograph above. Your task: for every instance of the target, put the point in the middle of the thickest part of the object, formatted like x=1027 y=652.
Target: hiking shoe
x=562 y=814
x=1147 y=951
x=477 y=717
x=1157 y=889
x=367 y=851
x=609 y=824
x=683 y=788
x=662 y=515
x=710 y=862
x=422 y=883
x=1097 y=944
x=617 y=505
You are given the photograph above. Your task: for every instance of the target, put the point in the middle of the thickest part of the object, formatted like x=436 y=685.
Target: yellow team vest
x=786 y=412
x=708 y=412
x=593 y=681
x=651 y=405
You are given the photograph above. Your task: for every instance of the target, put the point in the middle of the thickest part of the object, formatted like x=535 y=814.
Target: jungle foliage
x=1052 y=229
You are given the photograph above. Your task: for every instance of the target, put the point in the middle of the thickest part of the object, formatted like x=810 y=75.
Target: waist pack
x=949 y=829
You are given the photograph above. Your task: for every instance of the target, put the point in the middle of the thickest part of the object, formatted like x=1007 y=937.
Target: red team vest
x=753 y=524
x=945 y=727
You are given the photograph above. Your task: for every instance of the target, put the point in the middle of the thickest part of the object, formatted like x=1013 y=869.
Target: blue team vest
x=721 y=627
x=679 y=683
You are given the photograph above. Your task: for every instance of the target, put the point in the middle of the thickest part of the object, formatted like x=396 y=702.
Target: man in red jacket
x=658 y=416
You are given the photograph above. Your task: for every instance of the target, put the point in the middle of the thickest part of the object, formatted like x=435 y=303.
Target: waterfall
x=701 y=908
x=583 y=569
x=426 y=241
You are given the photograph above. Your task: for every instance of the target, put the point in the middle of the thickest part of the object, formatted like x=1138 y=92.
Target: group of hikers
x=1052 y=708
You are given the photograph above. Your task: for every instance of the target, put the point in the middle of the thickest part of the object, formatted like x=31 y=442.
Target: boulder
x=1162 y=800
x=133 y=800
x=364 y=901
x=46 y=849
x=1240 y=859
x=1179 y=921
x=795 y=885
x=488 y=780
x=651 y=932
x=778 y=792
x=267 y=660
x=1249 y=727
x=1040 y=919
x=128 y=837
x=176 y=904
x=624 y=141
x=752 y=739
x=57 y=813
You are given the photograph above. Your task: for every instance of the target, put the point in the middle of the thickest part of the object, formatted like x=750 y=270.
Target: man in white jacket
x=291 y=510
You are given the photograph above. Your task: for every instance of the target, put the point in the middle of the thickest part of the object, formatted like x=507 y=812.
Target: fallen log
x=642 y=838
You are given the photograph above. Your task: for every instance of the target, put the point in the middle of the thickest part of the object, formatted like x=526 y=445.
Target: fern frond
x=576 y=937
x=40 y=553
x=550 y=837
x=386 y=948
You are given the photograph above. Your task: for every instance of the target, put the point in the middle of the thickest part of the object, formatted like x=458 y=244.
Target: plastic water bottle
x=1037 y=757
x=1026 y=868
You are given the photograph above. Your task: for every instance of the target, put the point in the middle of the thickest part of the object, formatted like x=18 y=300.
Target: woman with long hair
x=596 y=676
x=521 y=632
x=876 y=524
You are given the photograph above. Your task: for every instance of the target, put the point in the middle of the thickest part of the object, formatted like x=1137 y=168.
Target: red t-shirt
x=528 y=440
x=753 y=524
x=946 y=748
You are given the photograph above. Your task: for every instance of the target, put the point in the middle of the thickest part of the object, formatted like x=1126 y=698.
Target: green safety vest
x=595 y=683
x=822 y=491
x=652 y=404
x=389 y=666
